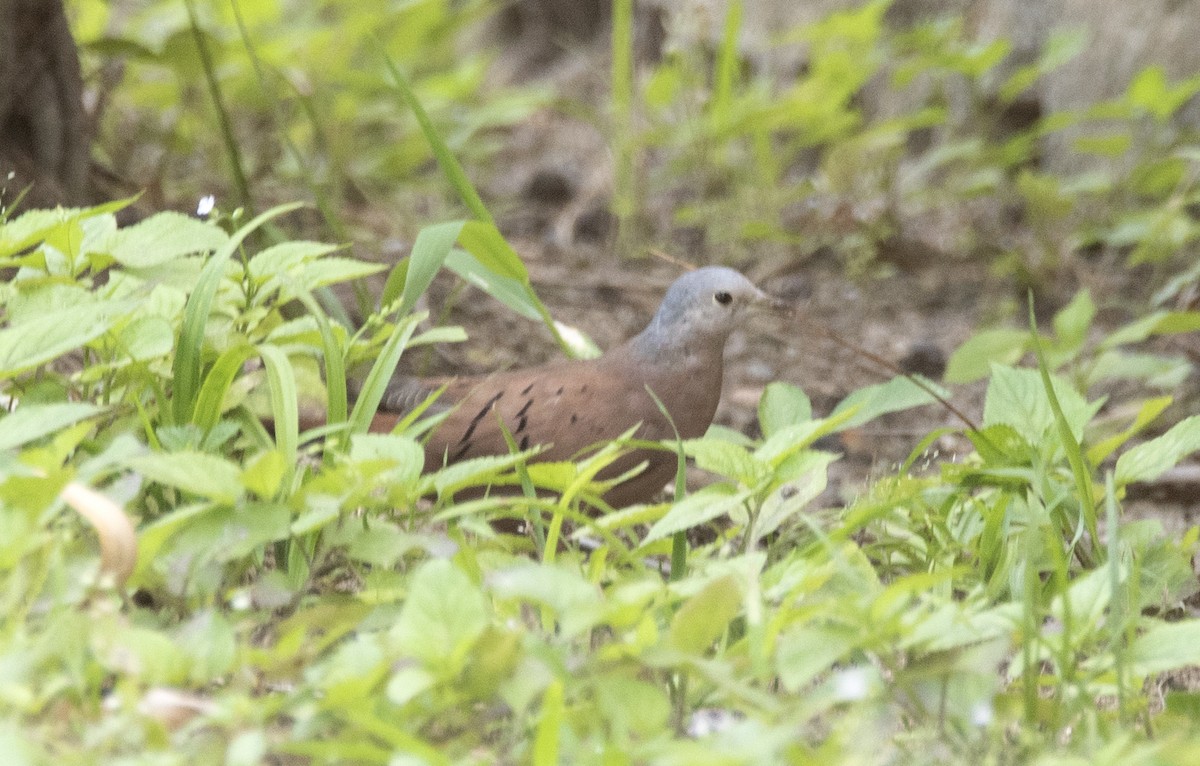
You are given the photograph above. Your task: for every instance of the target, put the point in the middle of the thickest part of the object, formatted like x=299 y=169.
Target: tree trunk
x=43 y=129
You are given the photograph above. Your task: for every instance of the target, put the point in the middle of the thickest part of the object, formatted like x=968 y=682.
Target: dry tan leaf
x=118 y=540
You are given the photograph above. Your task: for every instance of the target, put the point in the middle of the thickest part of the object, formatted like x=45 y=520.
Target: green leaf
x=164 y=237
x=287 y=258
x=1104 y=144
x=208 y=640
x=146 y=338
x=1072 y=323
x=1015 y=397
x=973 y=359
x=782 y=404
x=511 y=292
x=731 y=461
x=485 y=242
x=801 y=478
x=404 y=452
x=1166 y=646
x=31 y=422
x=443 y=617
x=575 y=601
x=697 y=508
x=189 y=350
x=805 y=653
x=704 y=617
x=411 y=277
x=1148 y=461
x=265 y=473
x=199 y=473
x=42 y=338
x=870 y=402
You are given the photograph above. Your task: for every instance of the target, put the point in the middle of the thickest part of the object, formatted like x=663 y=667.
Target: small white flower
x=206 y=205
x=982 y=713
x=851 y=685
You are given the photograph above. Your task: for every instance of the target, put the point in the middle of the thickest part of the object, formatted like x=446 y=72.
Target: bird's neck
x=657 y=346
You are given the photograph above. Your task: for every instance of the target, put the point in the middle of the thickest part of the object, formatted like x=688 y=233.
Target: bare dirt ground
x=550 y=189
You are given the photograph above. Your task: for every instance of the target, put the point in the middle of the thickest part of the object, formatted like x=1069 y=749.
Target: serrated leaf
x=871 y=402
x=402 y=451
x=199 y=473
x=163 y=237
x=1148 y=461
x=33 y=421
x=442 y=618
x=697 y=508
x=42 y=338
x=782 y=404
x=1016 y=397
x=725 y=459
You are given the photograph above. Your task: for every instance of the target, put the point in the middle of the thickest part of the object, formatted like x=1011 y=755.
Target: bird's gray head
x=701 y=308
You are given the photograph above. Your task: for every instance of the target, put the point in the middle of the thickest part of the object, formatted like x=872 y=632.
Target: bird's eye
x=723 y=298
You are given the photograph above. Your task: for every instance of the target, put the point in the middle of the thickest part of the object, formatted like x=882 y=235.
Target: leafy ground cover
x=309 y=596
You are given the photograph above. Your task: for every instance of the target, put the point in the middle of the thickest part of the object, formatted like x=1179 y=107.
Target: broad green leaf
x=782 y=404
x=264 y=474
x=1165 y=646
x=697 y=508
x=806 y=651
x=725 y=459
x=163 y=237
x=287 y=258
x=402 y=451
x=147 y=337
x=30 y=422
x=232 y=533
x=1015 y=397
x=575 y=602
x=442 y=618
x=704 y=617
x=198 y=473
x=40 y=339
x=1148 y=461
x=973 y=359
x=208 y=640
x=895 y=395
x=803 y=476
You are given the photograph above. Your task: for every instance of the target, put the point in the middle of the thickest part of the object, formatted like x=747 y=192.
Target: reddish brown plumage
x=570 y=406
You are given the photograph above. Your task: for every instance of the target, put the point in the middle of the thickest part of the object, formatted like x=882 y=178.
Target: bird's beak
x=769 y=303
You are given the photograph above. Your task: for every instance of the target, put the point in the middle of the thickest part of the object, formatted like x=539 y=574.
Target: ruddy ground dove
x=569 y=406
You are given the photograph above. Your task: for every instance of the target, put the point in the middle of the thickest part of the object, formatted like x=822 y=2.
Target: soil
x=550 y=190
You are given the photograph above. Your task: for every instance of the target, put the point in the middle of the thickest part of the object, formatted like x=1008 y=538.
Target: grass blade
x=188 y=352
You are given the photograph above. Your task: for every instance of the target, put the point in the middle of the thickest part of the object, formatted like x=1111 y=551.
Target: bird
x=567 y=407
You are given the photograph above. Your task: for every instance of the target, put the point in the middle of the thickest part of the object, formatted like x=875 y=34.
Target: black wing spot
x=524 y=410
x=525 y=442
x=466 y=437
x=559 y=391
x=574 y=418
x=525 y=391
x=463 y=450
